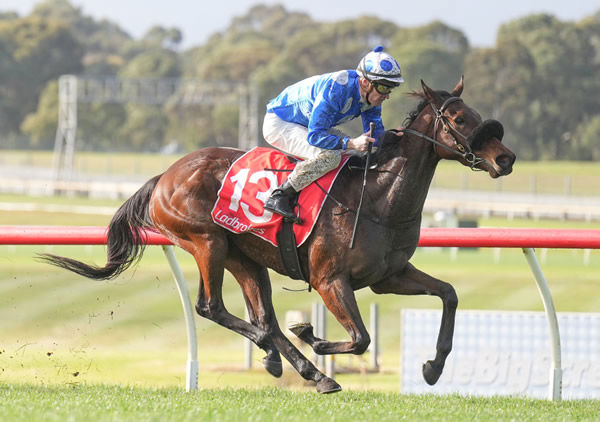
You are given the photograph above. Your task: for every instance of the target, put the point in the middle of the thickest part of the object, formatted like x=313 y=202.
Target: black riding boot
x=279 y=201
x=359 y=162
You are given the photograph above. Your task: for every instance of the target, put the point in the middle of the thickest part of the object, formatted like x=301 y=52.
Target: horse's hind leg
x=256 y=286
x=209 y=251
x=414 y=282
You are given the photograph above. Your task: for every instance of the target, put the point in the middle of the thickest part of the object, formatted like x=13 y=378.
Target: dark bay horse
x=178 y=204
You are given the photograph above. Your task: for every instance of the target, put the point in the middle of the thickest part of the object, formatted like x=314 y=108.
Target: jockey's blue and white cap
x=380 y=66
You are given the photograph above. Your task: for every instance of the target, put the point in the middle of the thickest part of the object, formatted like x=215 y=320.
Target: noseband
x=463 y=150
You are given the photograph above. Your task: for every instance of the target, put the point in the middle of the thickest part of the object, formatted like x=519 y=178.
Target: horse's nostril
x=505 y=161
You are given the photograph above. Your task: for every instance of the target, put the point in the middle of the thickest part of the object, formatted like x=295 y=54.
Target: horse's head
x=460 y=134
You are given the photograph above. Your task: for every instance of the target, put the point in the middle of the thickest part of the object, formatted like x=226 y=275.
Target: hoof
x=327 y=385
x=430 y=373
x=273 y=367
x=301 y=328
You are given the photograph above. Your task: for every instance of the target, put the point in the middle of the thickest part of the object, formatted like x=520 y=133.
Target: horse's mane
x=412 y=115
x=390 y=137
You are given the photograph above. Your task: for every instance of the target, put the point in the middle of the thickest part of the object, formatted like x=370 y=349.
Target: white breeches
x=291 y=138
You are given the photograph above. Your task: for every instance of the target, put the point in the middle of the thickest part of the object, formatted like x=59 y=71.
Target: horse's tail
x=125 y=239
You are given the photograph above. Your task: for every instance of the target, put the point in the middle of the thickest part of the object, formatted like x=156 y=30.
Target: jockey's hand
x=360 y=143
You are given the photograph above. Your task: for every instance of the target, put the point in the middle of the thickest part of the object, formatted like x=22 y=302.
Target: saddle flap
x=249 y=182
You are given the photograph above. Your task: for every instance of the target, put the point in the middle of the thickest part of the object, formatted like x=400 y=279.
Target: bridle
x=463 y=150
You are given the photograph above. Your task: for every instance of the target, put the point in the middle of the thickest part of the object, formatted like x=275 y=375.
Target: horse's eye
x=459 y=120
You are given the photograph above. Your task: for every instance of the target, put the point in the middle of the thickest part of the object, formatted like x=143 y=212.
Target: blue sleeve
x=323 y=118
x=373 y=115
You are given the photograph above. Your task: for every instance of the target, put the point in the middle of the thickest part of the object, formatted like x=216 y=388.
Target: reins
x=465 y=154
x=462 y=150
x=346 y=209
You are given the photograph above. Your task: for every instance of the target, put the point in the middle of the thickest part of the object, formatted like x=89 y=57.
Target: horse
x=178 y=204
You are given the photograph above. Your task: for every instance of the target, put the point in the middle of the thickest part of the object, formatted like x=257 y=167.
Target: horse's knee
x=449 y=296
x=268 y=322
x=264 y=339
x=361 y=344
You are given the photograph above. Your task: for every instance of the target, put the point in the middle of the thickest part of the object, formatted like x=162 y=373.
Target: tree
x=34 y=51
x=144 y=129
x=41 y=125
x=235 y=63
x=145 y=126
x=501 y=82
x=586 y=140
x=564 y=70
x=105 y=44
x=99 y=127
x=98 y=37
x=433 y=53
x=159 y=36
x=153 y=63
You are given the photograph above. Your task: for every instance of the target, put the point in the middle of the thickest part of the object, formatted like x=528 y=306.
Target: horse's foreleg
x=415 y=282
x=339 y=298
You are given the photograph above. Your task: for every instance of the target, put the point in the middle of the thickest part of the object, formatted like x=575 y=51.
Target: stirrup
x=275 y=205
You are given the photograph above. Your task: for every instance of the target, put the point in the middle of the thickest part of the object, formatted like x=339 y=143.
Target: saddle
x=240 y=202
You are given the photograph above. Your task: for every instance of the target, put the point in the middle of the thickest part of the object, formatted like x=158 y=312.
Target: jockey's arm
x=321 y=121
x=373 y=115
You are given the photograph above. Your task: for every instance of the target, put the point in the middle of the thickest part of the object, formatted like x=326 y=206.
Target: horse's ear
x=430 y=93
x=458 y=89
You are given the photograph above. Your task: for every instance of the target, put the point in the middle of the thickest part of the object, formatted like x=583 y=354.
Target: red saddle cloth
x=248 y=184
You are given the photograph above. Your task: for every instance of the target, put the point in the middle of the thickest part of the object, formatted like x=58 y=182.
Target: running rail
x=526 y=239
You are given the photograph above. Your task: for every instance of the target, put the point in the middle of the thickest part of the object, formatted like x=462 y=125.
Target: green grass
x=122 y=403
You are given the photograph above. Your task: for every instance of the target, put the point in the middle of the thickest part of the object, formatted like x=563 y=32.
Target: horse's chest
x=404 y=240
x=388 y=255
x=401 y=246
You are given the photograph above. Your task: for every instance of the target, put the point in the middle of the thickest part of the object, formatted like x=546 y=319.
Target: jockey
x=301 y=120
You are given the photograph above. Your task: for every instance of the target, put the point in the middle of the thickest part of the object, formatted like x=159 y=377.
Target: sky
x=199 y=19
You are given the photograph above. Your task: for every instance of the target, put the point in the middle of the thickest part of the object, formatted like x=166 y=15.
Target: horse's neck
x=405 y=178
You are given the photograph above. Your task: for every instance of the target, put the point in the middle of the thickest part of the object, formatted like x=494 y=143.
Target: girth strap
x=286 y=242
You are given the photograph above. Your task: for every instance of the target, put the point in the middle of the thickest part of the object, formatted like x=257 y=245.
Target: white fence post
x=247 y=348
x=555 y=391
x=191 y=380
x=374 y=328
x=319 y=323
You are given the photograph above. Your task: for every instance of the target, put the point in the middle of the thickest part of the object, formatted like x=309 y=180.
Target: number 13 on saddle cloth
x=249 y=182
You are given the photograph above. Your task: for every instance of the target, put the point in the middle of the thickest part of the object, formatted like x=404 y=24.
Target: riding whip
x=362 y=192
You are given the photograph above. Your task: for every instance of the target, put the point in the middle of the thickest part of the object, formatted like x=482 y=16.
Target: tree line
x=540 y=79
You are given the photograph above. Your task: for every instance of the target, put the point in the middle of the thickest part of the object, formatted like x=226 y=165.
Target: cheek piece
x=486 y=130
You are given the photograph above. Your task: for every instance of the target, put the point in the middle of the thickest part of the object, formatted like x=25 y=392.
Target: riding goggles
x=382 y=89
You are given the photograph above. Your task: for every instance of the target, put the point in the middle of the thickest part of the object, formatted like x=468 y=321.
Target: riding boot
x=359 y=162
x=279 y=201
